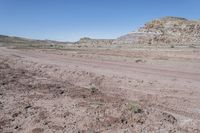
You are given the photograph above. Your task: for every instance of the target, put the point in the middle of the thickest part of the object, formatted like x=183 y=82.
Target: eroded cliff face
x=167 y=30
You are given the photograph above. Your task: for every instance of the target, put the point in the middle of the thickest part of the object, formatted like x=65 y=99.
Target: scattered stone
x=169 y=118
x=28 y=106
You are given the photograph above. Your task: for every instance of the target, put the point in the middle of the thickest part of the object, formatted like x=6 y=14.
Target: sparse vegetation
x=192 y=46
x=134 y=107
x=172 y=46
x=93 y=89
x=140 y=61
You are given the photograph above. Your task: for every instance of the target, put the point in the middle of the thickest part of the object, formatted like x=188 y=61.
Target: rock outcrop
x=167 y=30
x=94 y=42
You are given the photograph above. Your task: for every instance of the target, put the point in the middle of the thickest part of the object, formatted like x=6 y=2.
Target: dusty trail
x=112 y=66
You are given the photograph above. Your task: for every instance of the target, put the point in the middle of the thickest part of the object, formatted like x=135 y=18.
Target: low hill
x=94 y=42
x=19 y=41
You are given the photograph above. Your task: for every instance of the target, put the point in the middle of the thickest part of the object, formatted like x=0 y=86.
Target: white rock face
x=168 y=30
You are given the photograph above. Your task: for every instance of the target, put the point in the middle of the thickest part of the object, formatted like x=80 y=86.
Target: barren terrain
x=79 y=90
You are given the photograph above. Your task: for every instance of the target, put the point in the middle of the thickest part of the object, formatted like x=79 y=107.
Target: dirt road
x=93 y=91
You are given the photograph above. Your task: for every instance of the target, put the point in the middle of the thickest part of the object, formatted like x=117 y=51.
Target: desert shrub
x=172 y=46
x=133 y=107
x=93 y=89
x=192 y=46
x=138 y=61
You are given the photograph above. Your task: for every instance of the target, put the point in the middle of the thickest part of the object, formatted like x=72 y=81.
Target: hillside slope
x=19 y=41
x=167 y=30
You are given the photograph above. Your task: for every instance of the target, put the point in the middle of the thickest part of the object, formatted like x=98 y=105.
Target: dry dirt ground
x=99 y=90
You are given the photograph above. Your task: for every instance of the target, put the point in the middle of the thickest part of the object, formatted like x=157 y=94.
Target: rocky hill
x=167 y=30
x=94 y=42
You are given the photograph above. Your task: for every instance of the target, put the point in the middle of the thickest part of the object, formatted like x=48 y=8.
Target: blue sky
x=69 y=20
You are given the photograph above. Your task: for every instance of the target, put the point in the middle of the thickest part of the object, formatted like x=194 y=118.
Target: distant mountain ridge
x=20 y=40
x=166 y=30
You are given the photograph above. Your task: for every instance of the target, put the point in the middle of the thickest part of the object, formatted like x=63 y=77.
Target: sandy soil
x=99 y=90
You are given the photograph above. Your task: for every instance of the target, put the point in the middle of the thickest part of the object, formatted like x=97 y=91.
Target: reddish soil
x=99 y=90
